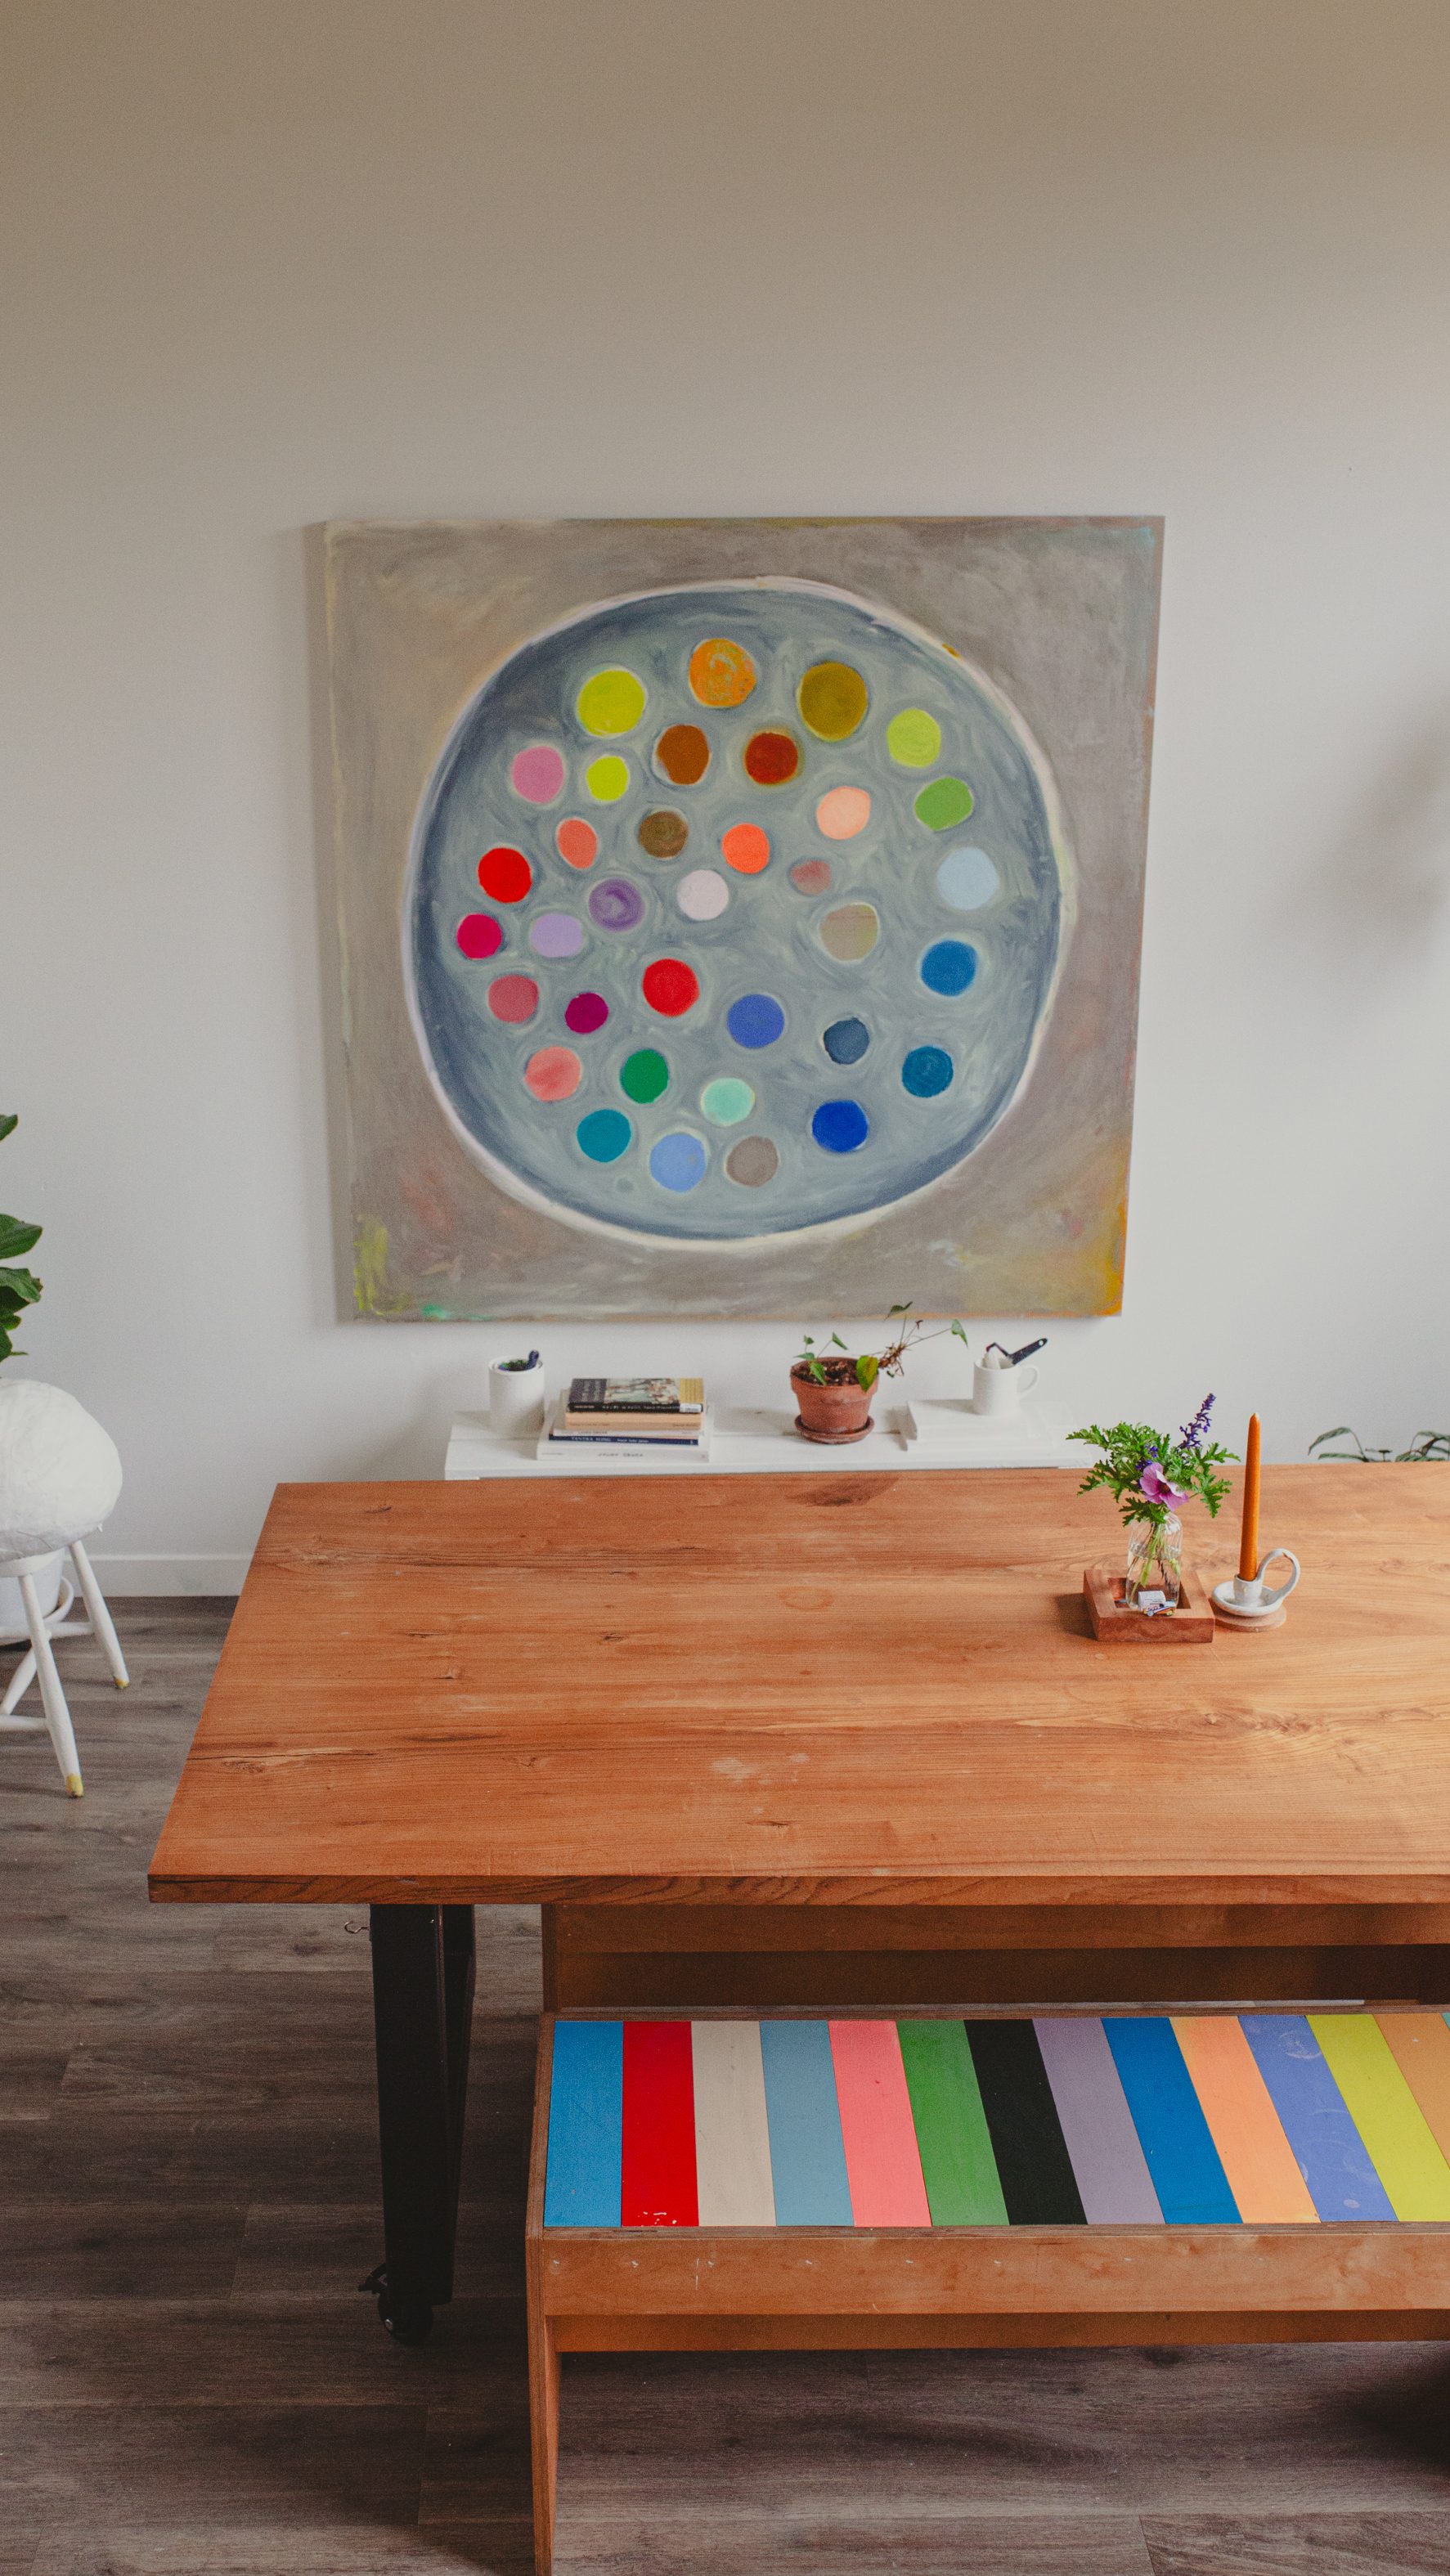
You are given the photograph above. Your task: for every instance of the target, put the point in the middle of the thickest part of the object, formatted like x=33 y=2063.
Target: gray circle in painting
x=797 y=931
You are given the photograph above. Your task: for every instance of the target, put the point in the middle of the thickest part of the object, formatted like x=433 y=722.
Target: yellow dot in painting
x=607 y=778
x=914 y=738
x=610 y=702
x=722 y=674
x=832 y=700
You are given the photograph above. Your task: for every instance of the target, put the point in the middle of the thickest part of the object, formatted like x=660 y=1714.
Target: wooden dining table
x=827 y=1740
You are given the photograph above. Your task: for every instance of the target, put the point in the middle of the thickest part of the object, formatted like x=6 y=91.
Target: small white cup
x=515 y=1400
x=1000 y=1390
x=1251 y=1593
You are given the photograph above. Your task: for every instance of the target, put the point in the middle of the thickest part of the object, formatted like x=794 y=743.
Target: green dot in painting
x=607 y=778
x=726 y=1102
x=603 y=1135
x=644 y=1076
x=610 y=702
x=944 y=802
x=914 y=738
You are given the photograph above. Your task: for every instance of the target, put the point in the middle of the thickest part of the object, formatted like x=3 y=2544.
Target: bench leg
x=544 y=2437
x=422 y=2016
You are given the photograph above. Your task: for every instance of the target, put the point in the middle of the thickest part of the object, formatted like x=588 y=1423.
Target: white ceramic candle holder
x=515 y=1401
x=1246 y=1601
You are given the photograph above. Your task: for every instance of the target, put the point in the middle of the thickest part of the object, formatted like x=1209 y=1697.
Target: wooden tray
x=1191 y=1624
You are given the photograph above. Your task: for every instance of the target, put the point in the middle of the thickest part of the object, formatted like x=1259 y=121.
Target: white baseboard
x=162 y=1575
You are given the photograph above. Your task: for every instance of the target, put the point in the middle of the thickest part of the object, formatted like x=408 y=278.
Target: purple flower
x=1194 y=1433
x=1155 y=1485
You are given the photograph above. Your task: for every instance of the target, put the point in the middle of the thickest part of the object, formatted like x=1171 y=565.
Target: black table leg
x=422 y=2014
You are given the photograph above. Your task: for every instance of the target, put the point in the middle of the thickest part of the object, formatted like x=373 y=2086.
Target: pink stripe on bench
x=883 y=2165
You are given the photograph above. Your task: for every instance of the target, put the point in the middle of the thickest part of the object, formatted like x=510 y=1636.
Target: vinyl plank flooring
x=1310 y=2544
x=343 y=2546
x=223 y=2464
x=181 y=2353
x=119 y=2249
x=743 y=2544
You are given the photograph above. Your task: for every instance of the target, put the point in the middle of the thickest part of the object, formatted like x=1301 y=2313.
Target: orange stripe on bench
x=1252 y=2148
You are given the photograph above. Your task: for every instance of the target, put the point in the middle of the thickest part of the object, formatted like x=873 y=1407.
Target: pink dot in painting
x=586 y=1013
x=843 y=812
x=537 y=774
x=577 y=842
x=811 y=876
x=556 y=934
x=554 y=1073
x=479 y=935
x=514 y=998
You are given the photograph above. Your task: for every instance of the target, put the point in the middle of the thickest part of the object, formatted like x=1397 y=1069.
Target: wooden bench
x=725 y=2184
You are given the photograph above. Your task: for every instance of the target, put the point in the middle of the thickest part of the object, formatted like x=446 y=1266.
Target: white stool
x=42 y=1626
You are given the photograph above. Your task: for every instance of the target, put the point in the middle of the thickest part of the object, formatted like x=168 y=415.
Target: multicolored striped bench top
x=1260 y=2118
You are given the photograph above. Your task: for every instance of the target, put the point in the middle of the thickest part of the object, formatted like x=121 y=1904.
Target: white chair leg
x=20 y=1681
x=57 y=1715
x=100 y=1617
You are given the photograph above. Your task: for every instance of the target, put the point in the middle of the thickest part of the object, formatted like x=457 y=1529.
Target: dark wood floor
x=189 y=2381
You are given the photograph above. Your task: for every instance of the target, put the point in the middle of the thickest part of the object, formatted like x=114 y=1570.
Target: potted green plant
x=1426 y=1448
x=833 y=1387
x=1150 y=1474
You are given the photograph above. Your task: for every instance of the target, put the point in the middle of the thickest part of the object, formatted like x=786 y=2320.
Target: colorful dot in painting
x=615 y=904
x=682 y=755
x=678 y=1162
x=727 y=1101
x=555 y=1073
x=967 y=879
x=756 y=1020
x=577 y=842
x=479 y=935
x=843 y=812
x=702 y=895
x=611 y=702
x=846 y=1041
x=746 y=849
x=926 y=1071
x=505 y=874
x=839 y=1126
x=644 y=1076
x=607 y=778
x=585 y=1013
x=537 y=774
x=944 y=802
x=670 y=987
x=850 y=932
x=752 y=1162
x=772 y=758
x=722 y=674
x=914 y=738
x=604 y=1135
x=812 y=876
x=949 y=966
x=556 y=934
x=513 y=998
x=663 y=834
x=832 y=699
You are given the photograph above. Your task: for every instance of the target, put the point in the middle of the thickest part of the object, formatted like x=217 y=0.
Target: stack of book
x=627 y=1414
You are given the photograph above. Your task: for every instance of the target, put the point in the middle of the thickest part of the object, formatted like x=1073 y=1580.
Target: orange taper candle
x=1249 y=1538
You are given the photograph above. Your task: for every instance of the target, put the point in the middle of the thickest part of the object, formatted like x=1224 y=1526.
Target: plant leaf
x=867 y=1370
x=815 y=1370
x=836 y=1338
x=16 y=1236
x=8 y=1127
x=18 y=1287
x=959 y=1329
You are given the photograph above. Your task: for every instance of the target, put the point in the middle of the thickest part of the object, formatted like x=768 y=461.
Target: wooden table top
x=840 y=1689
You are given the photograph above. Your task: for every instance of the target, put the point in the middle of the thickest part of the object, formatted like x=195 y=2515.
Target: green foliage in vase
x=1150 y=1473
x=1425 y=1446
x=18 y=1288
x=828 y=1371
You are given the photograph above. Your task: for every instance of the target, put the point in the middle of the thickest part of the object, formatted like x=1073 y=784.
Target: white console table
x=751 y=1442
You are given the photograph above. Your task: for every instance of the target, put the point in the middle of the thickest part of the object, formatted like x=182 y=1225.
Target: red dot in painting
x=514 y=998
x=586 y=1013
x=670 y=987
x=479 y=935
x=505 y=874
x=771 y=758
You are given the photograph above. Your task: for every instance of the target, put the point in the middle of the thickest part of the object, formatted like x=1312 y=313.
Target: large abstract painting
x=740 y=917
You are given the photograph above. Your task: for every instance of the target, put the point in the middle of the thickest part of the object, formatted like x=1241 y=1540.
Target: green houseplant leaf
x=18 y=1288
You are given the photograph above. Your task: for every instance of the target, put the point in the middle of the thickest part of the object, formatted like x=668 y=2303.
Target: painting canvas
x=740 y=917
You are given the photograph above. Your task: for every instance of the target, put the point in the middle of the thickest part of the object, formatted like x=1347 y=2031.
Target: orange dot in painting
x=722 y=674
x=746 y=848
x=577 y=842
x=683 y=755
x=513 y=998
x=555 y=1073
x=843 y=812
x=772 y=758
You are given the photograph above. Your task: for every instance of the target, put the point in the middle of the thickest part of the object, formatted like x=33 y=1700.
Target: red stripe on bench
x=657 y=2177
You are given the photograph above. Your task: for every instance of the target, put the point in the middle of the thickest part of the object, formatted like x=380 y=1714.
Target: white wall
x=269 y=261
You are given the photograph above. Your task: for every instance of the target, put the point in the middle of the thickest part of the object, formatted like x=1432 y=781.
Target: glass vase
x=1155 y=1565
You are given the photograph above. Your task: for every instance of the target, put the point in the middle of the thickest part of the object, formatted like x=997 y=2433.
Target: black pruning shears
x=1014 y=1358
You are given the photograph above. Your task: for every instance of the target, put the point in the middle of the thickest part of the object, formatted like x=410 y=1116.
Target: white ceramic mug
x=1000 y=1390
x=1250 y=1591
x=515 y=1400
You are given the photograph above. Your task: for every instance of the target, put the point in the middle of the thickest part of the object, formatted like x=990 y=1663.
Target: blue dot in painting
x=678 y=1162
x=926 y=1071
x=603 y=1135
x=949 y=966
x=756 y=1020
x=846 y=1041
x=840 y=1125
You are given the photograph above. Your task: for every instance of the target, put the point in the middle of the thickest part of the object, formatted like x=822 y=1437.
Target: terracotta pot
x=846 y=1407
